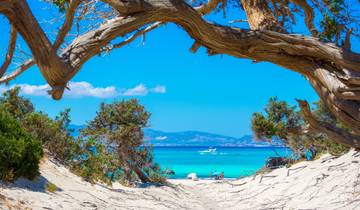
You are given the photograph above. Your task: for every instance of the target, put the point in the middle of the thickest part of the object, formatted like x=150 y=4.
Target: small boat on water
x=208 y=151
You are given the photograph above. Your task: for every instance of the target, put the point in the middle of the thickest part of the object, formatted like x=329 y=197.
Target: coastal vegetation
x=109 y=149
x=322 y=53
x=118 y=130
x=20 y=152
x=282 y=121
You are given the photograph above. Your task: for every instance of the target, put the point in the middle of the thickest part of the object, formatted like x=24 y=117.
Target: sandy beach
x=326 y=183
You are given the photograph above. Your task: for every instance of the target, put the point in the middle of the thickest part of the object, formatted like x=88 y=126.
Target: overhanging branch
x=10 y=52
x=309 y=16
x=65 y=28
x=337 y=134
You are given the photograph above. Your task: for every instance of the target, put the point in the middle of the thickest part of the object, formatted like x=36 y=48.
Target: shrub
x=15 y=104
x=53 y=134
x=50 y=187
x=93 y=162
x=118 y=128
x=20 y=153
x=285 y=122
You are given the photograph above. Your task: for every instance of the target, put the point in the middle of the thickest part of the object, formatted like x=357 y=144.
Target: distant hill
x=197 y=138
x=194 y=138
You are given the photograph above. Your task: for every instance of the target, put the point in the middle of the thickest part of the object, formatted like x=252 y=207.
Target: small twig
x=237 y=21
x=294 y=169
x=265 y=176
x=133 y=37
x=194 y=48
x=10 y=53
x=319 y=179
x=347 y=44
x=334 y=166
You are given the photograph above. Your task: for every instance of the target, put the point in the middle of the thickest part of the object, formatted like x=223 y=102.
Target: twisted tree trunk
x=333 y=72
x=50 y=65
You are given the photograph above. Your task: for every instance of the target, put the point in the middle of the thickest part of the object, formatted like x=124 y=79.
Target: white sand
x=327 y=183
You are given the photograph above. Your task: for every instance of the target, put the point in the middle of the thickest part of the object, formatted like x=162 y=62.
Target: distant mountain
x=193 y=138
x=197 y=138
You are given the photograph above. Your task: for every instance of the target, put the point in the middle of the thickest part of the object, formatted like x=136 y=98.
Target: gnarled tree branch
x=10 y=52
x=68 y=23
x=64 y=30
x=337 y=134
x=328 y=67
x=50 y=65
x=208 y=7
x=309 y=16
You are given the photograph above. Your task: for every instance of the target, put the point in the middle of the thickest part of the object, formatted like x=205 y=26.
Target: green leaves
x=25 y=132
x=335 y=20
x=19 y=152
x=284 y=122
x=119 y=126
x=54 y=134
x=61 y=4
x=278 y=121
x=16 y=105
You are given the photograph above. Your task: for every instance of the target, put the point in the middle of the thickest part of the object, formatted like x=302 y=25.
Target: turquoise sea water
x=233 y=161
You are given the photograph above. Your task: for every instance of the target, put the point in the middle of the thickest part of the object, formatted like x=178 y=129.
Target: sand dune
x=327 y=183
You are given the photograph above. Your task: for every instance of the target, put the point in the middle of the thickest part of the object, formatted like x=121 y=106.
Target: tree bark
x=332 y=71
x=139 y=173
x=50 y=65
x=339 y=135
x=259 y=15
x=305 y=55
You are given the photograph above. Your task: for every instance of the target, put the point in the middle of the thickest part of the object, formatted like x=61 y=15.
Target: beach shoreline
x=326 y=183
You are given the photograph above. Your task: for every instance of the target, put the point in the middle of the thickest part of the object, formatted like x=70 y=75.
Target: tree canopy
x=285 y=122
x=20 y=152
x=321 y=53
x=109 y=149
x=120 y=126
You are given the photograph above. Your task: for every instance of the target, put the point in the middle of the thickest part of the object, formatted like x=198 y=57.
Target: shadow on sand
x=39 y=184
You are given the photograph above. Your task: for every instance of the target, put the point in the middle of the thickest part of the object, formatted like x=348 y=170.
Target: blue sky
x=183 y=91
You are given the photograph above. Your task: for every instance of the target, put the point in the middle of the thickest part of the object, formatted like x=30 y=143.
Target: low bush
x=50 y=187
x=20 y=153
x=53 y=134
x=286 y=123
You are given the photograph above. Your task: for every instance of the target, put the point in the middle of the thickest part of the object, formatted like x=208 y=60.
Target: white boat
x=210 y=150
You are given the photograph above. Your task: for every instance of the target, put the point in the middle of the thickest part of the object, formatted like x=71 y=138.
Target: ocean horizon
x=235 y=162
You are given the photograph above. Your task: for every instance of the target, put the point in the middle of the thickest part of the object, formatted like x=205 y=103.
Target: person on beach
x=221 y=176
x=216 y=175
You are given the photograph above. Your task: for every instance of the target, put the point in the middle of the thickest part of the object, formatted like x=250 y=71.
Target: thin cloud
x=142 y=90
x=85 y=89
x=159 y=89
x=139 y=90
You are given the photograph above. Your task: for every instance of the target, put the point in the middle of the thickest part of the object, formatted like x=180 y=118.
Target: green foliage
x=109 y=149
x=19 y=152
x=279 y=120
x=54 y=134
x=119 y=126
x=284 y=122
x=50 y=187
x=336 y=20
x=93 y=161
x=16 y=105
x=34 y=131
x=61 y=4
